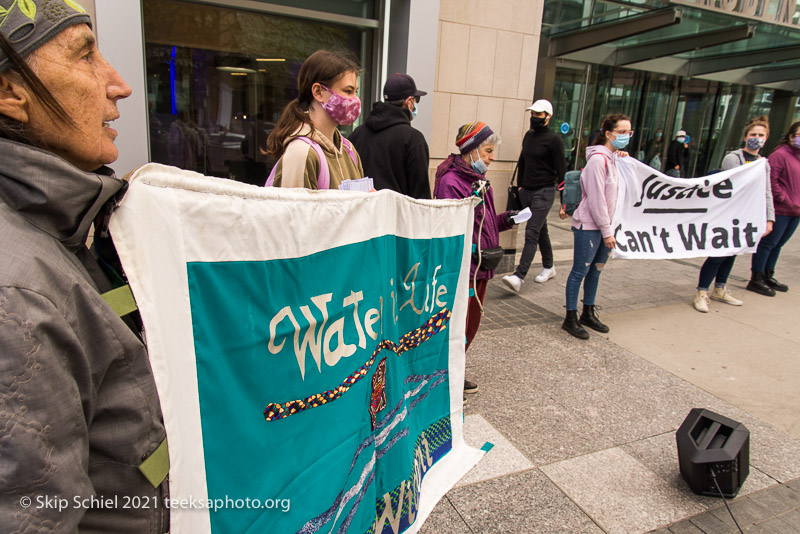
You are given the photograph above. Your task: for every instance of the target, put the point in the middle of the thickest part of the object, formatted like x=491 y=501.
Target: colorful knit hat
x=471 y=135
x=28 y=24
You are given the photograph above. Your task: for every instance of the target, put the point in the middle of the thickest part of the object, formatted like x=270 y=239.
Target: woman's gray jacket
x=79 y=411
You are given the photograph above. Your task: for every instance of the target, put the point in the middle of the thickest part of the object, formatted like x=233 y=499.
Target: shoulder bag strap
x=516 y=168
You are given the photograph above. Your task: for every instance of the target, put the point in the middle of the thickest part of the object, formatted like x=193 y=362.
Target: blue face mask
x=414 y=111
x=478 y=166
x=621 y=141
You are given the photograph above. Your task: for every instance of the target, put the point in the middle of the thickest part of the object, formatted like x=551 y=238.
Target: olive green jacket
x=299 y=165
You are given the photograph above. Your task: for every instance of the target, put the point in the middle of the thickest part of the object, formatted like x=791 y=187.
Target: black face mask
x=536 y=123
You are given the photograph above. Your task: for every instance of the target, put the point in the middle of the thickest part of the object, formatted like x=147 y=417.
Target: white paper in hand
x=522 y=216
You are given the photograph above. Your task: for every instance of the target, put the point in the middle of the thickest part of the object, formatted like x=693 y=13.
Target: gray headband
x=28 y=24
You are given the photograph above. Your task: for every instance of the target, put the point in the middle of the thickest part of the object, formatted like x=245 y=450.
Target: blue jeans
x=717 y=267
x=589 y=256
x=769 y=248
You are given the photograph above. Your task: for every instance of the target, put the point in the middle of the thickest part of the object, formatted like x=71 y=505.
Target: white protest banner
x=660 y=217
x=308 y=349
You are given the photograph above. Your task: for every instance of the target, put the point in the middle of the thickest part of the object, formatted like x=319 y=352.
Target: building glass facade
x=218 y=77
x=670 y=66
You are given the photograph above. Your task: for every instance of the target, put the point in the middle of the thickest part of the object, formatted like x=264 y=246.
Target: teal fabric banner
x=308 y=349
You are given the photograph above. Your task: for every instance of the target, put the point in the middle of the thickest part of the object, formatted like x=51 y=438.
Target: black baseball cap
x=399 y=87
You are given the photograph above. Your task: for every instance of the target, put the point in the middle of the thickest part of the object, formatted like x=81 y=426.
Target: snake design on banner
x=434 y=325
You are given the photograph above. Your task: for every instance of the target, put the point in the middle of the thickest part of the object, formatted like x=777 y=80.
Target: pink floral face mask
x=342 y=110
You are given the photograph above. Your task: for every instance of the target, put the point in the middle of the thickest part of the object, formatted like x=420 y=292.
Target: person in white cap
x=677 y=155
x=541 y=167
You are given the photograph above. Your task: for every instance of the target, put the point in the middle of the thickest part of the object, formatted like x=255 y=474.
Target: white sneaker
x=701 y=301
x=723 y=295
x=513 y=282
x=545 y=275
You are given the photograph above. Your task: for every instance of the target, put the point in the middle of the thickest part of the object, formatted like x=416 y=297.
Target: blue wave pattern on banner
x=285 y=329
x=441 y=376
x=430 y=446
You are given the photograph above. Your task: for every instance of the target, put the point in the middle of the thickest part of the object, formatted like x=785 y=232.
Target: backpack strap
x=324 y=178
x=605 y=165
x=271 y=177
x=350 y=150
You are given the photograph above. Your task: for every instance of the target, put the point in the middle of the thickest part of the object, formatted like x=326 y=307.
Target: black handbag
x=514 y=203
x=490 y=258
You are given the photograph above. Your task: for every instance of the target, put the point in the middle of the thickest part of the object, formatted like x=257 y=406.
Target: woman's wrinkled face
x=88 y=88
x=486 y=153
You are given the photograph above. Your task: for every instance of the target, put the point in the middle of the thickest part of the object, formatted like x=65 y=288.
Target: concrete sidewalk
x=584 y=431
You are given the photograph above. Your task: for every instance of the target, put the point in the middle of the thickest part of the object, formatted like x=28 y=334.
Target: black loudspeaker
x=709 y=442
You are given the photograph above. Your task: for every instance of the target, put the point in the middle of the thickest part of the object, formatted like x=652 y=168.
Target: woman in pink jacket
x=591 y=223
x=784 y=164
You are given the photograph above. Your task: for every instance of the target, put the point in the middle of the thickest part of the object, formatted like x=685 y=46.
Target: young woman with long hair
x=327 y=88
x=591 y=223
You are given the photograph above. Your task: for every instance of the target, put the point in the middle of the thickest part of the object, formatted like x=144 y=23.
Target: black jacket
x=393 y=154
x=677 y=154
x=541 y=163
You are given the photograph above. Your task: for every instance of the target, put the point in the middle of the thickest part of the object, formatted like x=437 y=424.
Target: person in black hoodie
x=394 y=154
x=677 y=155
x=541 y=166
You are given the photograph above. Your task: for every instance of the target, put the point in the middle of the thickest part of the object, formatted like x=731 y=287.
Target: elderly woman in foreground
x=82 y=432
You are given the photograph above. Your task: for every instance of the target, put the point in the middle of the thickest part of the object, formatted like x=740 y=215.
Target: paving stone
x=711 y=524
x=792 y=518
x=522 y=502
x=773 y=452
x=620 y=493
x=777 y=500
x=444 y=520
x=794 y=484
x=772 y=526
x=685 y=527
x=502 y=459
x=535 y=429
x=744 y=510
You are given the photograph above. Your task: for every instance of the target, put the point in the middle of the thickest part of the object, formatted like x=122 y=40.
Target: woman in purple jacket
x=459 y=176
x=784 y=164
x=591 y=223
